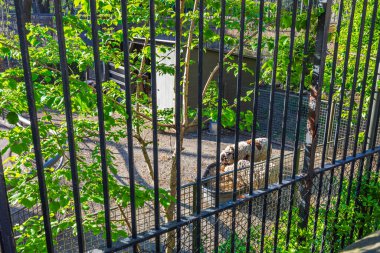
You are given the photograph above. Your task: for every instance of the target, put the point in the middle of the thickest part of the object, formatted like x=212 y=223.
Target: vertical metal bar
x=320 y=183
x=322 y=249
x=376 y=178
x=298 y=118
x=270 y=121
x=348 y=128
x=374 y=124
x=287 y=91
x=219 y=120
x=357 y=193
x=344 y=79
x=199 y=127
x=34 y=124
x=375 y=105
x=328 y=126
x=284 y=119
x=195 y=230
x=237 y=129
x=372 y=114
x=128 y=101
x=336 y=138
x=314 y=111
x=102 y=135
x=358 y=187
x=353 y=88
x=178 y=114
x=332 y=85
x=362 y=95
x=253 y=133
x=69 y=122
x=7 y=242
x=152 y=28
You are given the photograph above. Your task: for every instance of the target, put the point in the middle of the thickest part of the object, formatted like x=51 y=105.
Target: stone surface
x=369 y=244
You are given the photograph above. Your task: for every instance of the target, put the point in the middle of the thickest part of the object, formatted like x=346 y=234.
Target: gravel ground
x=166 y=146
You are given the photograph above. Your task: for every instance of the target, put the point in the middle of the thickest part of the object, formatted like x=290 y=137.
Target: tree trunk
x=43 y=6
x=169 y=211
x=27 y=9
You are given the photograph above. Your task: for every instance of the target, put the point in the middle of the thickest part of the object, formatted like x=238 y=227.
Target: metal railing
x=306 y=178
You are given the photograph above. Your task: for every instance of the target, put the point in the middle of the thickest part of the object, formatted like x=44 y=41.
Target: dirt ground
x=166 y=146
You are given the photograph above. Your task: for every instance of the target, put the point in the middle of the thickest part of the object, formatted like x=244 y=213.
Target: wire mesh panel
x=262 y=115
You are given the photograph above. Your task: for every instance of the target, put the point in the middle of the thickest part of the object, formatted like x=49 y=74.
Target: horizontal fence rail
x=189 y=126
x=212 y=211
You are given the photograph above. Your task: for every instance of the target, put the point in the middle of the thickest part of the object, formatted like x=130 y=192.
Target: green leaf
x=107 y=7
x=54 y=206
x=34 y=77
x=228 y=117
x=17 y=148
x=47 y=79
x=12 y=84
x=12 y=118
x=27 y=202
x=98 y=199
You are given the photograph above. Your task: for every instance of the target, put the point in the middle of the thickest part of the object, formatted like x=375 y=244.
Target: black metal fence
x=216 y=213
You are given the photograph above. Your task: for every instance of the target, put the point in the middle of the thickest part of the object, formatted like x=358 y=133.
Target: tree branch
x=145 y=154
x=187 y=68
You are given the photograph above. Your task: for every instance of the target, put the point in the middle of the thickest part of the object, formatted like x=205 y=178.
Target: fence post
x=311 y=140
x=7 y=243
x=375 y=111
x=373 y=125
x=298 y=159
x=330 y=130
x=194 y=230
